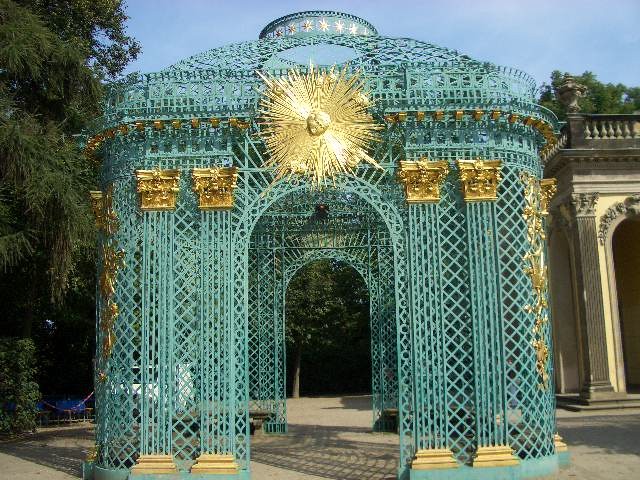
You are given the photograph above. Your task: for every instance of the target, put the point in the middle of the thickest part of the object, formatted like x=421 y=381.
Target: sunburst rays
x=316 y=124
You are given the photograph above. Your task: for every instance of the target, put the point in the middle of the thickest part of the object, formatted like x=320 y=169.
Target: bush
x=19 y=392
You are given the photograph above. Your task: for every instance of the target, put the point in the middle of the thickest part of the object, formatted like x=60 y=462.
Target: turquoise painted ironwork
x=199 y=340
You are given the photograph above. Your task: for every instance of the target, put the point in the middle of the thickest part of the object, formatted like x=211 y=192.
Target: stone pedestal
x=433 y=459
x=215 y=464
x=154 y=464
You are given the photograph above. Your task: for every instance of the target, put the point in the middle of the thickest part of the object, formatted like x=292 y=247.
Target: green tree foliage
x=18 y=389
x=54 y=56
x=600 y=97
x=327 y=330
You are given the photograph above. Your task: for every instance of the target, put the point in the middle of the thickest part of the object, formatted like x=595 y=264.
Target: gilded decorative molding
x=584 y=204
x=215 y=187
x=548 y=189
x=102 y=206
x=422 y=180
x=97 y=206
x=317 y=124
x=495 y=456
x=112 y=261
x=630 y=207
x=480 y=179
x=158 y=189
x=537 y=196
x=433 y=459
x=215 y=464
x=558 y=443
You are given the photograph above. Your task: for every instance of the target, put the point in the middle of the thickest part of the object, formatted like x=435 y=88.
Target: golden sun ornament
x=316 y=124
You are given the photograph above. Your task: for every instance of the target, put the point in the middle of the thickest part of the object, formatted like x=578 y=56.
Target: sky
x=534 y=36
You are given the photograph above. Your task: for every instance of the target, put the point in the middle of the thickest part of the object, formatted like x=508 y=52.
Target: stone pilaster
x=589 y=295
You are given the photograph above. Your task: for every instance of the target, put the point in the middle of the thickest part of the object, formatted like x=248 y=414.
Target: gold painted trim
x=154 y=464
x=422 y=180
x=548 y=189
x=480 y=179
x=434 y=459
x=215 y=464
x=536 y=199
x=94 y=142
x=158 y=189
x=495 y=456
x=214 y=187
x=559 y=444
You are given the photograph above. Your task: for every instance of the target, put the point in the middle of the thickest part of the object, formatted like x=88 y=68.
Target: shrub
x=19 y=392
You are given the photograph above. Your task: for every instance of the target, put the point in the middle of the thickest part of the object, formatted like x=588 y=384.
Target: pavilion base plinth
x=154 y=465
x=433 y=459
x=495 y=456
x=562 y=451
x=215 y=464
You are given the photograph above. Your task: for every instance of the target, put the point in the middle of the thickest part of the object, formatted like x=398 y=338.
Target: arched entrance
x=296 y=228
x=626 y=256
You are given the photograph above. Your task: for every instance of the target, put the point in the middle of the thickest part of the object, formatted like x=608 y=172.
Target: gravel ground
x=330 y=438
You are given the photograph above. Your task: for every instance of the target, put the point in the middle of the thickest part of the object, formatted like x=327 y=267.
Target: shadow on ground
x=614 y=434
x=61 y=449
x=335 y=452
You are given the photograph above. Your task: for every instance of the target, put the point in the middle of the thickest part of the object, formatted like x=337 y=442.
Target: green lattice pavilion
x=197 y=246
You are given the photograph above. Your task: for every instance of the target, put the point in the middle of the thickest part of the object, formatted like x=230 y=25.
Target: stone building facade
x=594 y=260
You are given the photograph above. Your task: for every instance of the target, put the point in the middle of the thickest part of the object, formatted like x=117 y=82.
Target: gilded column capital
x=422 y=180
x=215 y=187
x=548 y=189
x=480 y=179
x=158 y=189
x=584 y=204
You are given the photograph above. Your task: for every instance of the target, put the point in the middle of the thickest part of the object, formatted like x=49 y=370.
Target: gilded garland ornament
x=316 y=124
x=538 y=195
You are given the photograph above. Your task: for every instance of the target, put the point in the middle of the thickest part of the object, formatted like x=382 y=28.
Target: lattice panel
x=530 y=408
x=186 y=328
x=118 y=422
x=458 y=347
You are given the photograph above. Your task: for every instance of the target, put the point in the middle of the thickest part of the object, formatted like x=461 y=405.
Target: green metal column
x=217 y=428
x=430 y=369
x=157 y=337
x=489 y=360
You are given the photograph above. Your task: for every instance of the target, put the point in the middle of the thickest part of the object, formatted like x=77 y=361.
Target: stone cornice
x=566 y=157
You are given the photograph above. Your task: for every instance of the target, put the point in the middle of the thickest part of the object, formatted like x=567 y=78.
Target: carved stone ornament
x=158 y=189
x=215 y=187
x=569 y=92
x=630 y=207
x=584 y=204
x=422 y=180
x=548 y=189
x=480 y=179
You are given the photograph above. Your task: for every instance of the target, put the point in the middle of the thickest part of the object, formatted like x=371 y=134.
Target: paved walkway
x=329 y=438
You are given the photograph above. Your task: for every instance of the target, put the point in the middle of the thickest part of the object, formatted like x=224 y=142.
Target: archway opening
x=328 y=331
x=626 y=257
